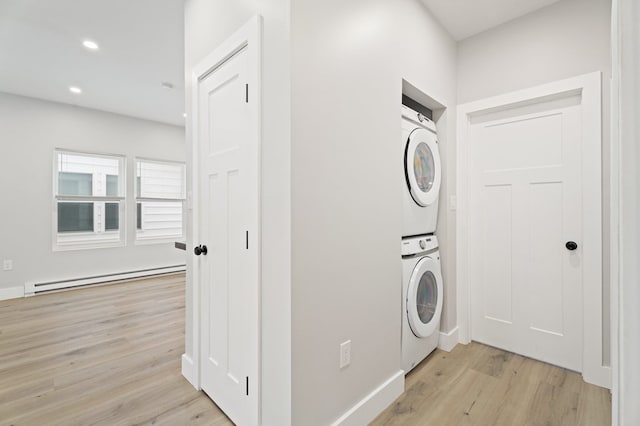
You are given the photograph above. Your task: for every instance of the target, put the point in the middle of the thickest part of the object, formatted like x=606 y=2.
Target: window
x=160 y=194
x=89 y=200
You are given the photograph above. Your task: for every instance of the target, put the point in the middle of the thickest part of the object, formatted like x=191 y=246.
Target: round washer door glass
x=427 y=297
x=422 y=167
x=424 y=297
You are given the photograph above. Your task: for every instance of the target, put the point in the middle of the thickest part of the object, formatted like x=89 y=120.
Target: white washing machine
x=422 y=173
x=422 y=298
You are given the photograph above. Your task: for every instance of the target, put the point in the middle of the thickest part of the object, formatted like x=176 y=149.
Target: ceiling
x=140 y=47
x=464 y=18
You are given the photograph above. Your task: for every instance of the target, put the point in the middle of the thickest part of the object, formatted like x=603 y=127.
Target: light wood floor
x=480 y=385
x=105 y=355
x=111 y=356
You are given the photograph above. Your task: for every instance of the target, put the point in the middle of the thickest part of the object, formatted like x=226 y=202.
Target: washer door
x=424 y=297
x=422 y=167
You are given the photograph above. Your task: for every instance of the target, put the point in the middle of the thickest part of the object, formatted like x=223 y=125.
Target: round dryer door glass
x=424 y=167
x=427 y=297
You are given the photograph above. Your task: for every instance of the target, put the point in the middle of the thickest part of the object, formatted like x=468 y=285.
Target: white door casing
x=226 y=170
x=520 y=199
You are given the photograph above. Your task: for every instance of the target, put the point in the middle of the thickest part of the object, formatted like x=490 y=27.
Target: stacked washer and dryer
x=422 y=288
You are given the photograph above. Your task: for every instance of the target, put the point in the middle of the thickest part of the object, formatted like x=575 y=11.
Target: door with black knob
x=526 y=189
x=228 y=216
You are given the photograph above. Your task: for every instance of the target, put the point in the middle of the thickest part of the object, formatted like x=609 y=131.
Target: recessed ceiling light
x=75 y=90
x=166 y=85
x=91 y=45
x=184 y=114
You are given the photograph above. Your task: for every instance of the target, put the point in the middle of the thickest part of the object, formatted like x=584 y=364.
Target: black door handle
x=571 y=245
x=198 y=250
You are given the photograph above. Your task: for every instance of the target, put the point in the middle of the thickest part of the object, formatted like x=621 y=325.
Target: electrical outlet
x=7 y=265
x=345 y=353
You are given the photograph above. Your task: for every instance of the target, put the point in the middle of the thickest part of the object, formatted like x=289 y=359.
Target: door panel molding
x=588 y=87
x=249 y=37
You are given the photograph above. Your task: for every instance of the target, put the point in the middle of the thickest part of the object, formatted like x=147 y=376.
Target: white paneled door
x=525 y=230
x=228 y=218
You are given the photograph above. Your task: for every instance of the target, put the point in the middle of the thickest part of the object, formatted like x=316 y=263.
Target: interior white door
x=525 y=206
x=228 y=225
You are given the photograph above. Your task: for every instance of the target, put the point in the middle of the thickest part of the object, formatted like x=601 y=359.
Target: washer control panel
x=419 y=244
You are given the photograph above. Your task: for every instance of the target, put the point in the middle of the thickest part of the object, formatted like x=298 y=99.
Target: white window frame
x=119 y=236
x=142 y=240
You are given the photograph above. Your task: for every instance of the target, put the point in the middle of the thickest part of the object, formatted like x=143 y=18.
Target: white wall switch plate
x=453 y=202
x=345 y=353
x=7 y=265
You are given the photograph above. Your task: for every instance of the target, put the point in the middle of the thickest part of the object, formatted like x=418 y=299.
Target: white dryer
x=422 y=173
x=422 y=298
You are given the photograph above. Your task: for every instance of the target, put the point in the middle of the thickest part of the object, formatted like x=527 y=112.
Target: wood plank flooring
x=110 y=355
x=480 y=385
x=106 y=355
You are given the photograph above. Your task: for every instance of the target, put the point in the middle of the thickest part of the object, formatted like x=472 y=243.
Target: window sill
x=163 y=240
x=87 y=246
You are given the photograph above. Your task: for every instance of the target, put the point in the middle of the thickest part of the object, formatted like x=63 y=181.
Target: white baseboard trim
x=449 y=340
x=188 y=371
x=11 y=293
x=373 y=404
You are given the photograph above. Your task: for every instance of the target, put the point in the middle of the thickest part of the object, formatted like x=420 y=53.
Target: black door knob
x=198 y=250
x=571 y=245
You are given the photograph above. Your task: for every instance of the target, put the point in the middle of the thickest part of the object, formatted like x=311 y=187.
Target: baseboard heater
x=31 y=289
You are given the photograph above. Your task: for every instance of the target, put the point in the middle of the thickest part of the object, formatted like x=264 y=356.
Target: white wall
x=208 y=23
x=338 y=234
x=569 y=38
x=348 y=62
x=30 y=130
x=626 y=131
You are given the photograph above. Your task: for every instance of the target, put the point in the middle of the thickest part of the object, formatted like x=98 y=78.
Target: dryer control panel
x=419 y=244
x=418 y=118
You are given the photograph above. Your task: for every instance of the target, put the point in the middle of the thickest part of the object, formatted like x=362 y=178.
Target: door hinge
x=247 y=239
x=247 y=385
x=246 y=93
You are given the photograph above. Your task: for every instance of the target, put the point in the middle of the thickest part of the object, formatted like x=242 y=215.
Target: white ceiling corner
x=141 y=46
x=464 y=18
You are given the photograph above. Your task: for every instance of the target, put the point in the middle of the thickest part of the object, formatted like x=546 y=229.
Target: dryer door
x=424 y=297
x=422 y=167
